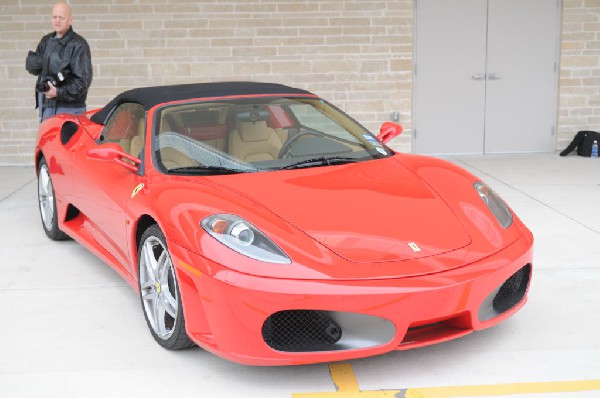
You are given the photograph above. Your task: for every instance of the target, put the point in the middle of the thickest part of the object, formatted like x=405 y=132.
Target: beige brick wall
x=579 y=101
x=355 y=53
x=352 y=52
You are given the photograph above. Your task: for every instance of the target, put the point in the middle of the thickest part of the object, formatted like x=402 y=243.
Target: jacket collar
x=66 y=37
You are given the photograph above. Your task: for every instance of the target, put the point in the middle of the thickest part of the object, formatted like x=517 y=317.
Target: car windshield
x=259 y=134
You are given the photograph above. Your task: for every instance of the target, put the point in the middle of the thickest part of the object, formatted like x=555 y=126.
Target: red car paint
x=404 y=238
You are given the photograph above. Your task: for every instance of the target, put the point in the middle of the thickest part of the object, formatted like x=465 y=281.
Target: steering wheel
x=284 y=152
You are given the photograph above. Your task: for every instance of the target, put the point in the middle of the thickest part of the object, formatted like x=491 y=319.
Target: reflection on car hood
x=372 y=211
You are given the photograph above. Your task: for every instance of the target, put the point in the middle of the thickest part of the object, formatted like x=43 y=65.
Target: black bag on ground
x=583 y=141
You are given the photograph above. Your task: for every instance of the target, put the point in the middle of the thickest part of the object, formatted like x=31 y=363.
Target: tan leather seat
x=125 y=143
x=137 y=143
x=171 y=158
x=122 y=128
x=213 y=135
x=254 y=142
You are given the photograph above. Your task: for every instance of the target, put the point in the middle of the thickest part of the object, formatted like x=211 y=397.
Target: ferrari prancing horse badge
x=414 y=246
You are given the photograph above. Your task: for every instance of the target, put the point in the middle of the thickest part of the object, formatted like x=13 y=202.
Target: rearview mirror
x=114 y=153
x=388 y=131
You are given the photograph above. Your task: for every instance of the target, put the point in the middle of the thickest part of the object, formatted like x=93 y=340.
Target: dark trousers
x=45 y=113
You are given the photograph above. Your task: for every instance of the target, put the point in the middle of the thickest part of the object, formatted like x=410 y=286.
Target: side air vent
x=67 y=131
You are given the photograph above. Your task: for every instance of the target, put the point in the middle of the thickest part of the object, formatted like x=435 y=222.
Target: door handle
x=478 y=76
x=493 y=76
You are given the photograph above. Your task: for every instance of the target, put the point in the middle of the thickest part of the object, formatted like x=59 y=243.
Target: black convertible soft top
x=151 y=96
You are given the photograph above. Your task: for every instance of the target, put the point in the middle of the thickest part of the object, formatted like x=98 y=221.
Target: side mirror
x=113 y=153
x=388 y=131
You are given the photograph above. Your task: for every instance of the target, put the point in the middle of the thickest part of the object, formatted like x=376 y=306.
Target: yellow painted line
x=354 y=394
x=347 y=387
x=504 y=389
x=343 y=377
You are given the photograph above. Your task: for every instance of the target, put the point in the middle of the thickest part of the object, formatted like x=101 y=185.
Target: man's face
x=61 y=19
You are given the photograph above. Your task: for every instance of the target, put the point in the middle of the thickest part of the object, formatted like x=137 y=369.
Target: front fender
x=455 y=187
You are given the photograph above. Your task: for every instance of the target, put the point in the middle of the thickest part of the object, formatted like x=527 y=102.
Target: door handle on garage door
x=493 y=76
x=478 y=76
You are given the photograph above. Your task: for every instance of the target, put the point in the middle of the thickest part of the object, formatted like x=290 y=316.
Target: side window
x=126 y=127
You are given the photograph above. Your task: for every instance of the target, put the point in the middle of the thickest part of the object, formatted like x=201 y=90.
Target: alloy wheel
x=46 y=197
x=158 y=287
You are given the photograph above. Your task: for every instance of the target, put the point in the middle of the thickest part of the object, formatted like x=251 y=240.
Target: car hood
x=373 y=211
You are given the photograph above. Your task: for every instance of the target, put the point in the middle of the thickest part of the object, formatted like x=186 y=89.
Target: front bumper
x=231 y=314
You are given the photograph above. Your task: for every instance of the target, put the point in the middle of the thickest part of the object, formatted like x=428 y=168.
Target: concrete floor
x=72 y=328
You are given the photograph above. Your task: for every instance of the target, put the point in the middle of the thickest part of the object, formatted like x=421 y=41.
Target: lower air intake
x=301 y=330
x=513 y=290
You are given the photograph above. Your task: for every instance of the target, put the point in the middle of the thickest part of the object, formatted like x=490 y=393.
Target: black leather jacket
x=71 y=55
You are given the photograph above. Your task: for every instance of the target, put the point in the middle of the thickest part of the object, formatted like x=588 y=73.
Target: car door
x=103 y=188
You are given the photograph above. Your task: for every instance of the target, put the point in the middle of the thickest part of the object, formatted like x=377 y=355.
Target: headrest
x=252 y=132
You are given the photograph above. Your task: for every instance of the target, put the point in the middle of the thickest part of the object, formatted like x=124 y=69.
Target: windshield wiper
x=205 y=170
x=322 y=161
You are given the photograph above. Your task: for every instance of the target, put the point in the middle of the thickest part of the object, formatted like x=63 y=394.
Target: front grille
x=301 y=330
x=513 y=290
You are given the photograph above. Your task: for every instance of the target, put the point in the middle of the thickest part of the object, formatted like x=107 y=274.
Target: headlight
x=241 y=236
x=495 y=204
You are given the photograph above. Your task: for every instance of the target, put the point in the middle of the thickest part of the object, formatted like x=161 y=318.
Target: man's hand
x=51 y=93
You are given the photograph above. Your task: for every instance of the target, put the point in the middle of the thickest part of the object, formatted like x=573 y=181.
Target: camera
x=56 y=80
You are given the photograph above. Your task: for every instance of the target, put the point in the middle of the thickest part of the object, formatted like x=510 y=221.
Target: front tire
x=47 y=203
x=159 y=292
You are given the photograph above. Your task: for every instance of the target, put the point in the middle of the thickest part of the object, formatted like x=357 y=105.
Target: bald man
x=63 y=64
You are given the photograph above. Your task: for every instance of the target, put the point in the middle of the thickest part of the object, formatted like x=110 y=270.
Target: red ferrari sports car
x=265 y=225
